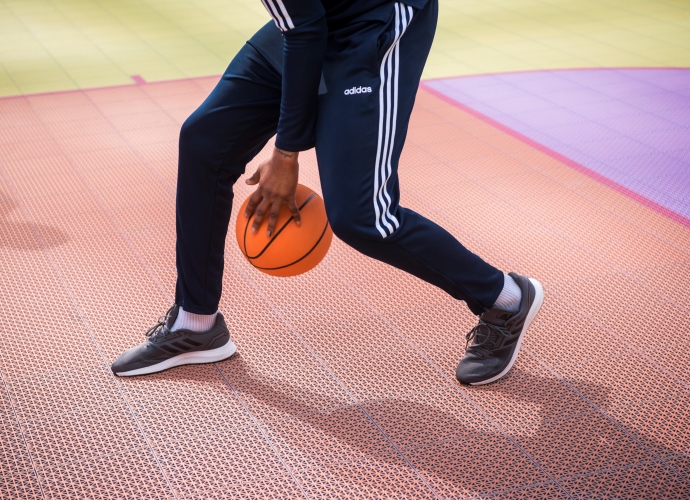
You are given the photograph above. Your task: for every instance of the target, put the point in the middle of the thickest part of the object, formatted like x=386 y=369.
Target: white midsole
x=188 y=358
x=536 y=305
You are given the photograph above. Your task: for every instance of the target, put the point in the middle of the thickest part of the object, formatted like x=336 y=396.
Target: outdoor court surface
x=575 y=171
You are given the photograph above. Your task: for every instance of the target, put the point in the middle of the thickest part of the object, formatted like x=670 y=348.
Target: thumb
x=254 y=179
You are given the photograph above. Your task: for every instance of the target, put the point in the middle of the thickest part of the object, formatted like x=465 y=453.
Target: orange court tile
x=343 y=385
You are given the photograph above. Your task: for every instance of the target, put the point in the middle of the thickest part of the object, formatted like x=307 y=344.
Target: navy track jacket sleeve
x=303 y=23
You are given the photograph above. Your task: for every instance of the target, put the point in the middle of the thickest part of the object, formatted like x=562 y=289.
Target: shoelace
x=159 y=327
x=490 y=328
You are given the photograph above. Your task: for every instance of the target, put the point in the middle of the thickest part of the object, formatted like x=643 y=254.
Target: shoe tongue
x=496 y=316
x=173 y=316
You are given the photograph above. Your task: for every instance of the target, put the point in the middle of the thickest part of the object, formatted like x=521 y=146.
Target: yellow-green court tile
x=495 y=37
x=479 y=53
x=20 y=69
x=10 y=26
x=98 y=66
x=526 y=47
x=614 y=36
x=108 y=73
x=167 y=74
x=633 y=21
x=204 y=71
x=667 y=52
x=183 y=38
x=53 y=85
x=43 y=80
x=664 y=30
x=141 y=56
x=6 y=79
x=506 y=65
x=677 y=61
x=87 y=82
x=632 y=60
x=22 y=58
x=555 y=60
x=69 y=41
x=111 y=34
x=149 y=66
x=454 y=43
x=114 y=47
x=176 y=42
x=67 y=55
x=184 y=60
x=183 y=55
x=24 y=45
x=8 y=89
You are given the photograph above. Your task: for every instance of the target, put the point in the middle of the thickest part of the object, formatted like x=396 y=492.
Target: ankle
x=510 y=297
x=194 y=322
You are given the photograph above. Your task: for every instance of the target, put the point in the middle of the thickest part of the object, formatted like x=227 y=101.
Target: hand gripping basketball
x=291 y=249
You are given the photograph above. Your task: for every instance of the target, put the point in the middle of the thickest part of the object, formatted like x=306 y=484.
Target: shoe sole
x=188 y=358
x=533 y=310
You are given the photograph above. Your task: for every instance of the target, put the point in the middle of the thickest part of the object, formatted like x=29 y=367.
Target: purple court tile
x=543 y=119
x=528 y=102
x=631 y=126
x=634 y=87
x=599 y=110
x=680 y=115
x=681 y=154
x=547 y=84
x=640 y=124
x=667 y=139
x=617 y=148
x=576 y=133
x=574 y=97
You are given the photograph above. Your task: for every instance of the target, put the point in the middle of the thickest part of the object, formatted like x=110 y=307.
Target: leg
x=216 y=142
x=358 y=162
x=358 y=158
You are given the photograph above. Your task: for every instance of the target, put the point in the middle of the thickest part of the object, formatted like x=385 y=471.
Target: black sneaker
x=165 y=349
x=498 y=336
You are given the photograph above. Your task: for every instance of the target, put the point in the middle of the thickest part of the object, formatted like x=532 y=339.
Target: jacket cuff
x=292 y=146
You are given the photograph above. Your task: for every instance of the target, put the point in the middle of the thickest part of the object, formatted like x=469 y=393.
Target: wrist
x=285 y=156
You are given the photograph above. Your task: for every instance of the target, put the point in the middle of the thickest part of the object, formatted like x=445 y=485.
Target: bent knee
x=192 y=130
x=200 y=143
x=353 y=227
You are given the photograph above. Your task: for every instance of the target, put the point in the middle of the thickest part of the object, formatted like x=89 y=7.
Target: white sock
x=509 y=299
x=194 y=322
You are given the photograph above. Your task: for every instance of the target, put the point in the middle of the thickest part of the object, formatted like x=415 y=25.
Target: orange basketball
x=292 y=249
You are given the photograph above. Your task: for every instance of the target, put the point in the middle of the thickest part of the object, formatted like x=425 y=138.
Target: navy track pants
x=371 y=75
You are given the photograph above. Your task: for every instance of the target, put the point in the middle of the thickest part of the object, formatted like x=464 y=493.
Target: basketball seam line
x=301 y=258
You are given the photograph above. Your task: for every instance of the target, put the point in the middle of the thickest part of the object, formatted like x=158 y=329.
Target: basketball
x=292 y=249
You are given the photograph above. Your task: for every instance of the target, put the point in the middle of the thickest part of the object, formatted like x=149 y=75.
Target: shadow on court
x=25 y=235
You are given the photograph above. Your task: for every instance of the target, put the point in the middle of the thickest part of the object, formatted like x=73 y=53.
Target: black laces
x=485 y=334
x=160 y=326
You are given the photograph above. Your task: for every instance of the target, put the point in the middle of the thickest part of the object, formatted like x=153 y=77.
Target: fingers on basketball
x=292 y=248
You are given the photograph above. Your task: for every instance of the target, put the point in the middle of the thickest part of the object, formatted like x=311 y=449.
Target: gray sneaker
x=498 y=336
x=165 y=349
